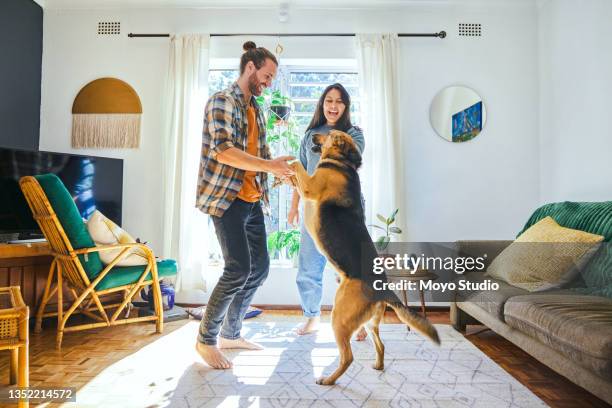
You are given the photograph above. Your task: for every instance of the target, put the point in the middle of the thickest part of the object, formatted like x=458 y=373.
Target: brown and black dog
x=335 y=219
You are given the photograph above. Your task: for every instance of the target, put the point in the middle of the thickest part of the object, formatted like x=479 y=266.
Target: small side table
x=14 y=315
x=420 y=275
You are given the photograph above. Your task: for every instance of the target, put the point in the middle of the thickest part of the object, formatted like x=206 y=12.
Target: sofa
x=569 y=328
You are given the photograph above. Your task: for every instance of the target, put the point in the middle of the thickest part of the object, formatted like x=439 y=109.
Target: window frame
x=322 y=66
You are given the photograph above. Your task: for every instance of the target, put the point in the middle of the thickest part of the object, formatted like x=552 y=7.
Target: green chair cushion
x=70 y=219
x=593 y=217
x=125 y=275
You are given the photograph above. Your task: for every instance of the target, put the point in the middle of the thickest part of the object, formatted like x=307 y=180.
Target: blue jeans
x=311 y=265
x=242 y=236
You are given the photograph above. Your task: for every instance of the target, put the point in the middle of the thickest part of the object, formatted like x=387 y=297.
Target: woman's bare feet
x=311 y=326
x=212 y=356
x=361 y=334
x=239 y=343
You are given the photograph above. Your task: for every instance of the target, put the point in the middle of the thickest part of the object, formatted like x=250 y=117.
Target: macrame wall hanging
x=106 y=114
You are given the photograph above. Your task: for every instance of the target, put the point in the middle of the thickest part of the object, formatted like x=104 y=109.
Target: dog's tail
x=416 y=322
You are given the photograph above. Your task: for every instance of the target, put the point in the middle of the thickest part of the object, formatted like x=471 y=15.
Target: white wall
x=485 y=188
x=575 y=92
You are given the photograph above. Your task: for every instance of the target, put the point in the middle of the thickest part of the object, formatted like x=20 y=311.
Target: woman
x=332 y=112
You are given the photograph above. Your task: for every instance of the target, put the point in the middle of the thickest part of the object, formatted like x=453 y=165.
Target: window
x=304 y=86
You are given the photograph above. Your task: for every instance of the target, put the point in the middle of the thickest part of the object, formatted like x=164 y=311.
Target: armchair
x=77 y=262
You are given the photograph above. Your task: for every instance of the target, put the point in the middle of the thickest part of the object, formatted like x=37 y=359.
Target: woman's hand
x=293 y=217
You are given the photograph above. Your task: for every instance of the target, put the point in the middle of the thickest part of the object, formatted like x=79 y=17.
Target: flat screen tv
x=95 y=183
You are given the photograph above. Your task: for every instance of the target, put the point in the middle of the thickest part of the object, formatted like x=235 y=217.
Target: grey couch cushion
x=492 y=301
x=576 y=325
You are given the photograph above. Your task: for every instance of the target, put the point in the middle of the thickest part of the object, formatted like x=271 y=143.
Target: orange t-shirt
x=250 y=190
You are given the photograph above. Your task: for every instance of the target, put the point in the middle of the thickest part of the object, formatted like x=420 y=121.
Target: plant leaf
x=395 y=230
x=376 y=226
x=381 y=218
x=391 y=219
x=382 y=242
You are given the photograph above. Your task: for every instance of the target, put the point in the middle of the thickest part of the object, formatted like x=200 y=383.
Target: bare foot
x=311 y=326
x=212 y=356
x=361 y=334
x=240 y=343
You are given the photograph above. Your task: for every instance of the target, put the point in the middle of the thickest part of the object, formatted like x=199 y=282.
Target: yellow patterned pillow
x=545 y=256
x=105 y=232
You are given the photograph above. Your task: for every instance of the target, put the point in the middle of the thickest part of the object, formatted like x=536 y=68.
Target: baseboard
x=324 y=308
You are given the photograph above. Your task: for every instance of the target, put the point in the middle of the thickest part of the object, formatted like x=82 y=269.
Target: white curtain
x=383 y=170
x=185 y=227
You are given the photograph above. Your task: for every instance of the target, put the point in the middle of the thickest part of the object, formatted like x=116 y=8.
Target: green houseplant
x=281 y=128
x=388 y=228
x=285 y=240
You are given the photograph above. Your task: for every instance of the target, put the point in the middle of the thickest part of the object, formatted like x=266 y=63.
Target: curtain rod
x=441 y=34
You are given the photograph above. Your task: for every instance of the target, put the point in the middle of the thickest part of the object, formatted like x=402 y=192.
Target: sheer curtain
x=185 y=227
x=383 y=171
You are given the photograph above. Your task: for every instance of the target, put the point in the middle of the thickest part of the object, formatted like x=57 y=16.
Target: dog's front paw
x=325 y=381
x=295 y=166
x=379 y=367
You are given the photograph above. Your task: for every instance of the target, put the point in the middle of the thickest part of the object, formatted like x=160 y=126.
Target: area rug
x=169 y=373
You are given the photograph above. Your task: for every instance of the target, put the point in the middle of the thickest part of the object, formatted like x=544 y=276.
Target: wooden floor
x=85 y=354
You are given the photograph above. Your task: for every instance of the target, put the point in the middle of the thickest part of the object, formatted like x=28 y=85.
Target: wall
x=575 y=89
x=485 y=188
x=21 y=35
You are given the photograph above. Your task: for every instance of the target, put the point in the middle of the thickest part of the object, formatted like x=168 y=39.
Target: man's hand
x=293 y=217
x=279 y=167
x=290 y=181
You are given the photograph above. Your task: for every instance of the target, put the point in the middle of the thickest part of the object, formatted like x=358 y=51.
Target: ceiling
x=141 y=4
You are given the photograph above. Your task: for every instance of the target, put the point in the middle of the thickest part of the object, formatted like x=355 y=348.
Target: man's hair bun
x=249 y=45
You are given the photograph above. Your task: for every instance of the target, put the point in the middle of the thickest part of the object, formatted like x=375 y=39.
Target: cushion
x=71 y=221
x=120 y=276
x=105 y=232
x=545 y=256
x=578 y=326
x=490 y=300
x=593 y=217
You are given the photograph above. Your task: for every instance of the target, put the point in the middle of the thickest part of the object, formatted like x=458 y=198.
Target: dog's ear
x=317 y=140
x=339 y=141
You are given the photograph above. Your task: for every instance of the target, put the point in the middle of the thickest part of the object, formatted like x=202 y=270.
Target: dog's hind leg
x=373 y=324
x=350 y=312
x=343 y=340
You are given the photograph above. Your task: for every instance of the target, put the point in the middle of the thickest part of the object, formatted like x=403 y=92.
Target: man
x=232 y=183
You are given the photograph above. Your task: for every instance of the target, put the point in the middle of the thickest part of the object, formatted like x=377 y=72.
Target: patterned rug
x=168 y=373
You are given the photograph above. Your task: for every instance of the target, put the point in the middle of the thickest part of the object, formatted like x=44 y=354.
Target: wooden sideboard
x=27 y=266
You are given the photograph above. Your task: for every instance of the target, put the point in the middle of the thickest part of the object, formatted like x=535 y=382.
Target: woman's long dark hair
x=344 y=123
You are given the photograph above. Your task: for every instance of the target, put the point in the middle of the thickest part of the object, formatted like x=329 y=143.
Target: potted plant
x=280 y=126
x=280 y=106
x=289 y=241
x=277 y=106
x=388 y=228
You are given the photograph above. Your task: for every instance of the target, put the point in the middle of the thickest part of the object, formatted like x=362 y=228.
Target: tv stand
x=26 y=265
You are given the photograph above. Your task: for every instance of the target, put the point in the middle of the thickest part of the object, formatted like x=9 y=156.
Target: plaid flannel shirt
x=225 y=126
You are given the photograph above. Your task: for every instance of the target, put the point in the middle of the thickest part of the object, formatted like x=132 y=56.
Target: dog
x=334 y=217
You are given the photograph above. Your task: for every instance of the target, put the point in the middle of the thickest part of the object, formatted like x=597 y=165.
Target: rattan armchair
x=72 y=266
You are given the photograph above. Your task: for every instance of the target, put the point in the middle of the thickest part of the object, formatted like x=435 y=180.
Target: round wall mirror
x=457 y=114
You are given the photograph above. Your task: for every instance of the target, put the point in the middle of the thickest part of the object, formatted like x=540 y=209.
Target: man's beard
x=254 y=85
